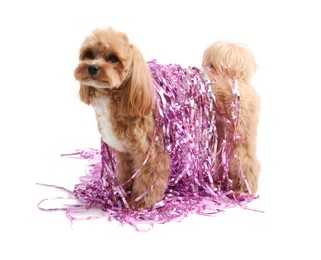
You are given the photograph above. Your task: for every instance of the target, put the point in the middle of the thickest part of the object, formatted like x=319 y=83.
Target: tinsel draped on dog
x=172 y=137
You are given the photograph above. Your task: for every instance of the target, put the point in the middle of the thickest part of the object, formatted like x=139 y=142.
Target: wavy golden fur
x=228 y=60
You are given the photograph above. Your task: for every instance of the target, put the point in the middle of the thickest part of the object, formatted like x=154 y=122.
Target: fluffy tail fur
x=230 y=59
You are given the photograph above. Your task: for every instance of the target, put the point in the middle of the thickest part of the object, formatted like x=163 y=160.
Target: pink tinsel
x=187 y=110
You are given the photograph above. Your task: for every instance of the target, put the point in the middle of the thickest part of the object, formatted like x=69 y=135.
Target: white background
x=41 y=117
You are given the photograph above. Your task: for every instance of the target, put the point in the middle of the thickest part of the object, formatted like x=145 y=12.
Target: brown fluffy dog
x=116 y=82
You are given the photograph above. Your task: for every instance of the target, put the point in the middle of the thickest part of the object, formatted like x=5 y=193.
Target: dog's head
x=108 y=60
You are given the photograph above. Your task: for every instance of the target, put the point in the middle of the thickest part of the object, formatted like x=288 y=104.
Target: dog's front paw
x=142 y=204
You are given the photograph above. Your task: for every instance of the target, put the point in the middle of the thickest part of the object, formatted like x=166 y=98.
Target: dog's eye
x=112 y=59
x=89 y=55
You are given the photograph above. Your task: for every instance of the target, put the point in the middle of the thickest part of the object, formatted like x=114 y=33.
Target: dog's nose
x=93 y=69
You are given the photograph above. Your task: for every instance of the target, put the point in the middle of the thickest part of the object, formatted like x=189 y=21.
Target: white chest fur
x=101 y=106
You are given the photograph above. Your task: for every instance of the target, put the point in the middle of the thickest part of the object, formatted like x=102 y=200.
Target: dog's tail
x=230 y=60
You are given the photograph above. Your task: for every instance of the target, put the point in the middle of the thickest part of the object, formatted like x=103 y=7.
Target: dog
x=116 y=81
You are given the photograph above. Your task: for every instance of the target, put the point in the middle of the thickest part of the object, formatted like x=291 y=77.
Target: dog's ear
x=139 y=95
x=84 y=94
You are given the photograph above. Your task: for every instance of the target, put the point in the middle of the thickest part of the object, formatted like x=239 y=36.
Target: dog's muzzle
x=93 y=69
